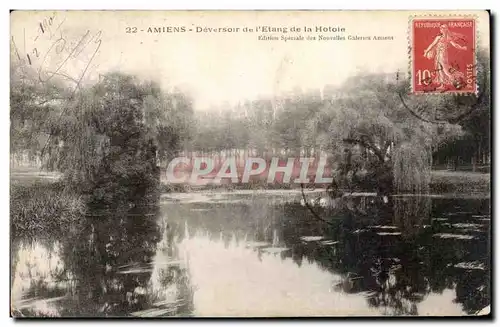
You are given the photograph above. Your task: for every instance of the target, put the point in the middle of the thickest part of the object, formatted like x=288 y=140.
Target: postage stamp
x=443 y=55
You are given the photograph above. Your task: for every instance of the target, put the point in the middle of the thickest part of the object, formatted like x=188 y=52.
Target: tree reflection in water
x=397 y=254
x=392 y=253
x=112 y=264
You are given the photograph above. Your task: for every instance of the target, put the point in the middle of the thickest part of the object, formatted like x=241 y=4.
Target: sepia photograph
x=250 y=164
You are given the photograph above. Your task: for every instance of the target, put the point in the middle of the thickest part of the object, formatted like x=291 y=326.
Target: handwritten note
x=53 y=51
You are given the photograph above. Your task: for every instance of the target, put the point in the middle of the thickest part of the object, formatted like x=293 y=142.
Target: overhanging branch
x=308 y=206
x=367 y=145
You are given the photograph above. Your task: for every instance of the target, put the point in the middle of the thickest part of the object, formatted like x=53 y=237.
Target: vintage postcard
x=250 y=163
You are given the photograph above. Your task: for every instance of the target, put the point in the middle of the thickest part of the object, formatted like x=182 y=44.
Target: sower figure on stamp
x=438 y=49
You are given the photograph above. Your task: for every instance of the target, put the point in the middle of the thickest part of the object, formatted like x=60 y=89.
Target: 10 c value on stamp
x=443 y=58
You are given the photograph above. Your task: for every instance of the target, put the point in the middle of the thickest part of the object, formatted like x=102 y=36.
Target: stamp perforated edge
x=411 y=18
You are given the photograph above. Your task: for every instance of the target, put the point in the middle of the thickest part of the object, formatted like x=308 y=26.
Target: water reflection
x=113 y=264
x=254 y=255
x=239 y=279
x=394 y=256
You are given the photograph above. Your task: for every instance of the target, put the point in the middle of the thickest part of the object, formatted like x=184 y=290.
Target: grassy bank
x=443 y=181
x=42 y=207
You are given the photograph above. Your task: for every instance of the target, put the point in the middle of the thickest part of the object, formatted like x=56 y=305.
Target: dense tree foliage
x=369 y=126
x=107 y=138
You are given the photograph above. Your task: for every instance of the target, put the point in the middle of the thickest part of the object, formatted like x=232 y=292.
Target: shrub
x=43 y=208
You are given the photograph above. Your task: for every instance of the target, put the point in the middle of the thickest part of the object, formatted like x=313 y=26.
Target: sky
x=216 y=67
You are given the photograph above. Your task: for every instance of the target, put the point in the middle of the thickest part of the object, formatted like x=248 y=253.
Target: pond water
x=261 y=254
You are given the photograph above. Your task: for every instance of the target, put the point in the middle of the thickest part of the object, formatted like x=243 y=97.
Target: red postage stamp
x=443 y=55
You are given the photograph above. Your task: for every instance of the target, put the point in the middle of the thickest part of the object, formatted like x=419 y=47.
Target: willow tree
x=34 y=108
x=107 y=138
x=374 y=140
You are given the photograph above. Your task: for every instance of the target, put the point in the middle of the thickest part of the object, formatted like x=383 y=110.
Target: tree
x=471 y=112
x=371 y=135
x=34 y=109
x=107 y=138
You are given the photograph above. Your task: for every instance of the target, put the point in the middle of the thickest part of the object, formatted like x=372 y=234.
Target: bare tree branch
x=308 y=206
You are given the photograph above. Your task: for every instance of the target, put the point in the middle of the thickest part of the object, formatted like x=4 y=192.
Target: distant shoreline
x=442 y=181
